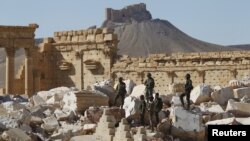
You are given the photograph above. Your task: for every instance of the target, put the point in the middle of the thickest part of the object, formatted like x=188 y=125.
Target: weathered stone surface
x=131 y=106
x=176 y=101
x=241 y=92
x=238 y=109
x=50 y=124
x=227 y=121
x=15 y=134
x=140 y=134
x=201 y=93
x=123 y=132
x=106 y=87
x=138 y=90
x=246 y=81
x=37 y=100
x=176 y=88
x=186 y=120
x=89 y=128
x=12 y=106
x=211 y=108
x=85 y=138
x=221 y=96
x=105 y=129
x=245 y=99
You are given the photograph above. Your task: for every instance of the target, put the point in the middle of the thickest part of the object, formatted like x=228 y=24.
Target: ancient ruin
x=70 y=80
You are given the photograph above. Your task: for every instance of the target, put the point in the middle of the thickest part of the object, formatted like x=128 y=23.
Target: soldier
x=121 y=91
x=188 y=88
x=142 y=109
x=151 y=106
x=158 y=106
x=150 y=84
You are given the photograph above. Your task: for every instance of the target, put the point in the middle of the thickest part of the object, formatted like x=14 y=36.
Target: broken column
x=123 y=132
x=105 y=129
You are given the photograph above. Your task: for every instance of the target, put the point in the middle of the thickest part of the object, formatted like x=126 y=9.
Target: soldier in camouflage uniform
x=188 y=89
x=142 y=109
x=157 y=107
x=150 y=84
x=121 y=91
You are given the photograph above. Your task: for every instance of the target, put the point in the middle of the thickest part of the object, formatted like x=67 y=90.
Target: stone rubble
x=55 y=115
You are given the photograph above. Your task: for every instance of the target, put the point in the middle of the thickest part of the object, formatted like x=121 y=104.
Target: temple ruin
x=83 y=57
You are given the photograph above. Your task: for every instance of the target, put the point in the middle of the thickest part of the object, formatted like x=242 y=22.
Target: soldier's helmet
x=188 y=75
x=120 y=78
x=149 y=75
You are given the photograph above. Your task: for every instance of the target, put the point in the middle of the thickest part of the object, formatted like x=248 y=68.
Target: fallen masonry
x=68 y=114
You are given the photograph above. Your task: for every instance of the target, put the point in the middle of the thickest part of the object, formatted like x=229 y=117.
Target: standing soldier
x=151 y=107
x=150 y=84
x=158 y=106
x=188 y=89
x=121 y=91
x=142 y=109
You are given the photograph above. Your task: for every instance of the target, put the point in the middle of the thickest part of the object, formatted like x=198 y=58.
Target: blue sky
x=223 y=22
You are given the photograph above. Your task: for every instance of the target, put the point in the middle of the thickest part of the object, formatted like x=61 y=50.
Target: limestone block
x=15 y=134
x=50 y=123
x=222 y=95
x=140 y=134
x=238 y=109
x=56 y=34
x=245 y=99
x=90 y=31
x=63 y=115
x=107 y=30
x=70 y=33
x=123 y=132
x=97 y=31
x=211 y=108
x=138 y=90
x=82 y=38
x=89 y=127
x=63 y=38
x=75 y=38
x=176 y=88
x=131 y=106
x=91 y=38
x=47 y=40
x=69 y=38
x=84 y=138
x=226 y=121
x=37 y=100
x=65 y=33
x=99 y=38
x=56 y=39
x=201 y=93
x=106 y=87
x=110 y=37
x=142 y=65
x=186 y=120
x=176 y=101
x=79 y=32
x=241 y=92
x=105 y=129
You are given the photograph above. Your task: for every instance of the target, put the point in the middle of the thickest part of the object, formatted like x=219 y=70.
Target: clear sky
x=223 y=22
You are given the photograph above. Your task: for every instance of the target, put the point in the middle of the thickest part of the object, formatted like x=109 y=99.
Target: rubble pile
x=67 y=114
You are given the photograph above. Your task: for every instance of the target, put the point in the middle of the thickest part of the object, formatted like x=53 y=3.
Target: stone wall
x=77 y=58
x=212 y=68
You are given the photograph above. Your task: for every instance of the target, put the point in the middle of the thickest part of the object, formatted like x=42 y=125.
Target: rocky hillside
x=142 y=35
x=243 y=47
